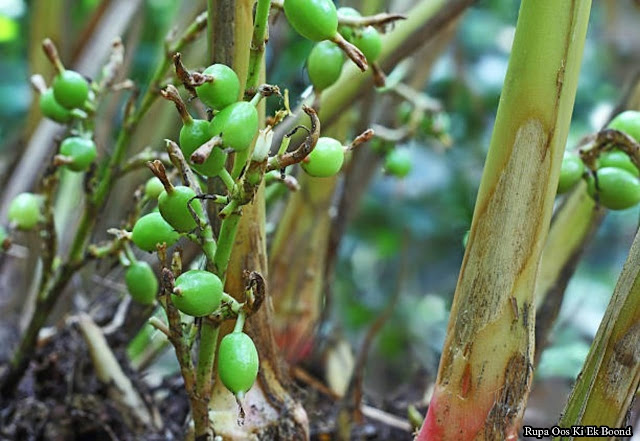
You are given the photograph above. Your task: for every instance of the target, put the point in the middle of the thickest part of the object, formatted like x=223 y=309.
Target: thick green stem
x=486 y=367
x=606 y=387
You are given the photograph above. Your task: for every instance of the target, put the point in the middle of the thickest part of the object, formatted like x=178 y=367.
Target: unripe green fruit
x=197 y=293
x=24 y=211
x=151 y=230
x=153 y=188
x=237 y=124
x=570 y=172
x=141 y=282
x=325 y=160
x=398 y=162
x=81 y=150
x=627 y=122
x=224 y=89
x=238 y=362
x=192 y=136
x=324 y=64
x=52 y=109
x=368 y=40
x=347 y=31
x=70 y=89
x=619 y=159
x=174 y=208
x=617 y=189
x=315 y=20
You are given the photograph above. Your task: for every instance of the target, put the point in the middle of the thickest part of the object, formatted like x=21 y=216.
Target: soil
x=60 y=399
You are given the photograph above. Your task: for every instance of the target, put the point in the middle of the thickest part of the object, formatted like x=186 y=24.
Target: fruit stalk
x=610 y=377
x=486 y=367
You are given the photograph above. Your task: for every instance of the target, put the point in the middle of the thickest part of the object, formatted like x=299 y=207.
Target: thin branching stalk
x=50 y=291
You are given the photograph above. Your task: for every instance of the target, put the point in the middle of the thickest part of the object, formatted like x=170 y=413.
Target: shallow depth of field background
x=432 y=206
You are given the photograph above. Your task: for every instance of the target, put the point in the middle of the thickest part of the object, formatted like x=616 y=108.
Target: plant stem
x=226 y=240
x=228 y=180
x=258 y=43
x=206 y=358
x=240 y=322
x=486 y=367
x=608 y=382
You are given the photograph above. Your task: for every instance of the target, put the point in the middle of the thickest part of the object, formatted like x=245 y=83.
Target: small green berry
x=238 y=362
x=627 y=122
x=347 y=31
x=192 y=136
x=368 y=40
x=141 y=282
x=315 y=20
x=617 y=188
x=223 y=90
x=237 y=124
x=398 y=162
x=81 y=150
x=324 y=64
x=24 y=211
x=52 y=109
x=70 y=89
x=197 y=293
x=174 y=208
x=325 y=160
x=151 y=230
x=570 y=172
x=153 y=188
x=618 y=158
